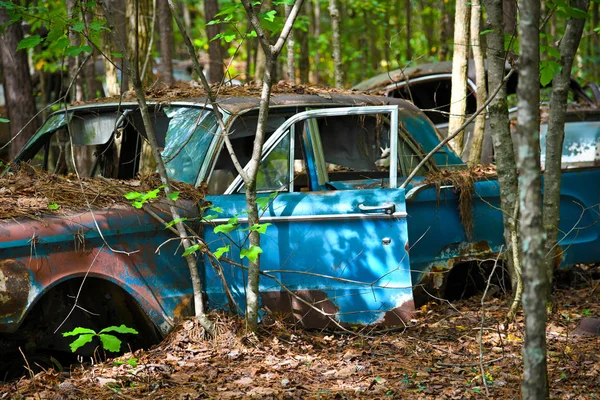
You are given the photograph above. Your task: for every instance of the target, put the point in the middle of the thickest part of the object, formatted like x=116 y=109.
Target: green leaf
x=81 y=341
x=251 y=253
x=98 y=26
x=173 y=196
x=78 y=26
x=268 y=16
x=116 y=54
x=576 y=13
x=29 y=42
x=4 y=120
x=175 y=221
x=485 y=32
x=133 y=362
x=553 y=52
x=190 y=250
x=110 y=342
x=55 y=33
x=221 y=250
x=61 y=44
x=252 y=34
x=119 y=329
x=138 y=204
x=225 y=228
x=263 y=202
x=216 y=209
x=214 y=22
x=132 y=195
x=74 y=50
x=79 y=331
x=152 y=194
x=210 y=217
x=547 y=71
x=260 y=228
x=53 y=206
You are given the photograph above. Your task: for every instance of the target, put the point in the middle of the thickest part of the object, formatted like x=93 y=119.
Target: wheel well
x=470 y=278
x=101 y=303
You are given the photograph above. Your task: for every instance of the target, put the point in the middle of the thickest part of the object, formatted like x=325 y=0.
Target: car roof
x=235 y=103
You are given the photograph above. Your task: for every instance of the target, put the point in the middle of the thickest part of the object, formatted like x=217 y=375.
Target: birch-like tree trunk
x=444 y=31
x=478 y=58
x=316 y=35
x=336 y=45
x=502 y=142
x=167 y=42
x=304 y=60
x=195 y=277
x=555 y=137
x=271 y=54
x=458 y=98
x=291 y=57
x=108 y=47
x=77 y=93
x=137 y=13
x=215 y=55
x=535 y=378
x=18 y=90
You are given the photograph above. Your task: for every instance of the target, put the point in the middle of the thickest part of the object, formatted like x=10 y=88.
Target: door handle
x=387 y=208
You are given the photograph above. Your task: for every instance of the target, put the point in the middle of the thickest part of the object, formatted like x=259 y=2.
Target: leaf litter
x=437 y=357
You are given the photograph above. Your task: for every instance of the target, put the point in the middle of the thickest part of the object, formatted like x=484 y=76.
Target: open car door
x=329 y=256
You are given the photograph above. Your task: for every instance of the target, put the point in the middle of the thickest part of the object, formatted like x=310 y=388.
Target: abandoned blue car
x=350 y=240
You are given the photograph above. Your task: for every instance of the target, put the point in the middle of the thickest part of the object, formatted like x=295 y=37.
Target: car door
x=329 y=256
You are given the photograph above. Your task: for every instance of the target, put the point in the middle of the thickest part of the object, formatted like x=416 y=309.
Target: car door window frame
x=289 y=128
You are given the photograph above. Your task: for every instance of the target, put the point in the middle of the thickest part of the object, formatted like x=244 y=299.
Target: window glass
x=189 y=134
x=274 y=170
x=243 y=130
x=581 y=146
x=358 y=147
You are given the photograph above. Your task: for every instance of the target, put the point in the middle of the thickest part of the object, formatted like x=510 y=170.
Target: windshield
x=112 y=142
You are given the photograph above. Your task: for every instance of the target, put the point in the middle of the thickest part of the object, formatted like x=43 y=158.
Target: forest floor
x=437 y=357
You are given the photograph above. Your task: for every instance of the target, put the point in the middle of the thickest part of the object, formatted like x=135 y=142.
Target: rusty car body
x=347 y=242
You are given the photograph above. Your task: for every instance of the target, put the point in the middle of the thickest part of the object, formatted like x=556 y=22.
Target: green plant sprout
x=109 y=342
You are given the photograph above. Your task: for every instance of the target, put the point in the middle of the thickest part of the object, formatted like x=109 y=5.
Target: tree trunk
x=271 y=54
x=458 y=98
x=444 y=31
x=336 y=45
x=478 y=58
x=138 y=28
x=535 y=378
x=108 y=47
x=77 y=93
x=555 y=137
x=195 y=277
x=304 y=61
x=18 y=90
x=167 y=42
x=503 y=144
x=316 y=35
x=215 y=56
x=291 y=67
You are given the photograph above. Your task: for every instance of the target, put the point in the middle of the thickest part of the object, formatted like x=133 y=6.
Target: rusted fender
x=38 y=255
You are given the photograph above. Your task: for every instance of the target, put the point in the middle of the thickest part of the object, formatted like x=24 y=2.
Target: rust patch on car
x=184 y=308
x=400 y=315
x=294 y=309
x=14 y=287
